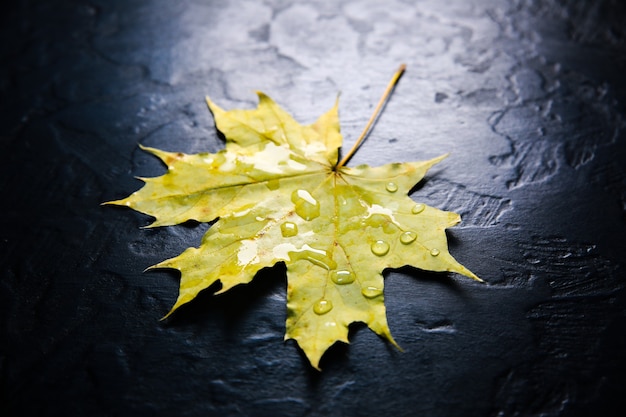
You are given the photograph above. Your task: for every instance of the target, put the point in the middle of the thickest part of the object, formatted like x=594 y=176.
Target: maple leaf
x=281 y=196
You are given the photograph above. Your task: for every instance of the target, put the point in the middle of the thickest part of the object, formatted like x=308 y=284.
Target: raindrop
x=289 y=229
x=371 y=291
x=342 y=277
x=434 y=252
x=317 y=257
x=307 y=207
x=408 y=237
x=322 y=307
x=392 y=187
x=380 y=248
x=418 y=208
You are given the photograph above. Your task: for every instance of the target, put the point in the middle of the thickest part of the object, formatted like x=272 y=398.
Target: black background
x=527 y=96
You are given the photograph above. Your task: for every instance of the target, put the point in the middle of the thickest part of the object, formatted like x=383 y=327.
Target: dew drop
x=317 y=257
x=371 y=292
x=434 y=252
x=380 y=248
x=342 y=277
x=408 y=237
x=289 y=229
x=322 y=307
x=392 y=187
x=306 y=205
x=418 y=208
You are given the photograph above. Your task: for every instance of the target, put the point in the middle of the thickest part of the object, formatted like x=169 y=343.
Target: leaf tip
x=477 y=278
x=439 y=158
x=213 y=108
x=390 y=339
x=464 y=271
x=162 y=155
x=122 y=202
x=314 y=362
x=182 y=299
x=264 y=99
x=165 y=317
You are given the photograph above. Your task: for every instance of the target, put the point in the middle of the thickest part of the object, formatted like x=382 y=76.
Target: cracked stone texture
x=529 y=98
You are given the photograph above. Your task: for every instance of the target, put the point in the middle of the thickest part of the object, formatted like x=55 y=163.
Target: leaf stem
x=379 y=106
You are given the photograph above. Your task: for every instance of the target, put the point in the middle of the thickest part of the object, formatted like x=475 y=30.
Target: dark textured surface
x=528 y=96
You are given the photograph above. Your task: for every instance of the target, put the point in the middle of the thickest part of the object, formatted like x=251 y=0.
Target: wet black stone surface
x=529 y=98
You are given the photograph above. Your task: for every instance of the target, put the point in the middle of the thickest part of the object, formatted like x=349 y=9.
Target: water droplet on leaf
x=434 y=252
x=418 y=208
x=392 y=187
x=380 y=248
x=371 y=292
x=322 y=307
x=289 y=229
x=317 y=257
x=408 y=237
x=307 y=207
x=342 y=277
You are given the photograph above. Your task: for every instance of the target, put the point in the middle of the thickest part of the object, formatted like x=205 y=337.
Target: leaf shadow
x=233 y=307
x=432 y=174
x=444 y=279
x=337 y=357
x=220 y=135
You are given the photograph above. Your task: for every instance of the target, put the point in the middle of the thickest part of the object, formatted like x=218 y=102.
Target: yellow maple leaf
x=281 y=196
